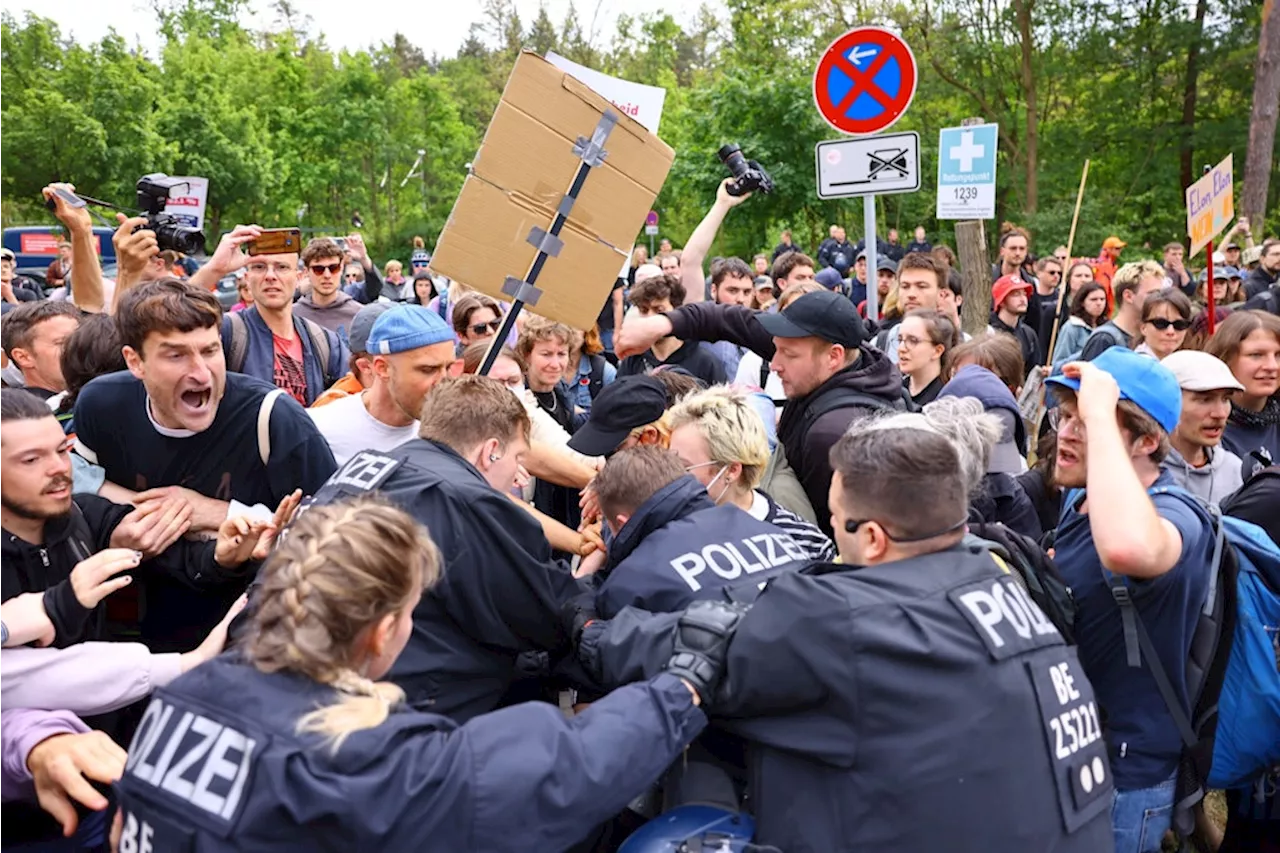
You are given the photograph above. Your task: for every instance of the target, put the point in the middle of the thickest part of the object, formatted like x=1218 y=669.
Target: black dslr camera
x=153 y=192
x=748 y=175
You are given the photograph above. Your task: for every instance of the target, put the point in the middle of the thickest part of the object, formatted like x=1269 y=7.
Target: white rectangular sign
x=967 y=172
x=189 y=207
x=869 y=165
x=643 y=103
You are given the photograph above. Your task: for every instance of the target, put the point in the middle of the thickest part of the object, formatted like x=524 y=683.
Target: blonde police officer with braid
x=293 y=743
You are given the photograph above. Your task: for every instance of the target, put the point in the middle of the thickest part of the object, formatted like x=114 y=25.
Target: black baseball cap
x=824 y=314
x=621 y=406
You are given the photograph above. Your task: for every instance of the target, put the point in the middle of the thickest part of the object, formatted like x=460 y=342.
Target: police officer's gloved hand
x=702 y=644
x=577 y=613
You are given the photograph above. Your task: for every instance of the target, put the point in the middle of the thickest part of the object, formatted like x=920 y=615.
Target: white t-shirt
x=749 y=375
x=349 y=428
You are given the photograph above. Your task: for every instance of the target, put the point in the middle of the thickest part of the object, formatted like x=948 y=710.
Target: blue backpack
x=1232 y=738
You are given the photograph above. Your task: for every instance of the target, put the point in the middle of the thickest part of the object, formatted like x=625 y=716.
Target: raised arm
x=87 y=290
x=695 y=250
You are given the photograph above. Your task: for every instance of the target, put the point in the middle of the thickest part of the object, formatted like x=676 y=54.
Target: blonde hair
x=338 y=572
x=538 y=329
x=795 y=291
x=392 y=265
x=732 y=429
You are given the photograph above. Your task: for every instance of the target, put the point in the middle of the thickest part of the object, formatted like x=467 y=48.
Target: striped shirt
x=807 y=535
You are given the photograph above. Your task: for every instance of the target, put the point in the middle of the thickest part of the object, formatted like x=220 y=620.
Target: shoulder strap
x=1137 y=642
x=320 y=344
x=264 y=423
x=844 y=399
x=596 y=382
x=764 y=374
x=882 y=339
x=239 y=343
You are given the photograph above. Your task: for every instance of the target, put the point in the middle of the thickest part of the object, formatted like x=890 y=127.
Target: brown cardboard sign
x=523 y=170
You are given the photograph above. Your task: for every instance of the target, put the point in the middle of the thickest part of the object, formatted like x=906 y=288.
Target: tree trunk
x=1031 y=144
x=1262 y=122
x=1189 y=86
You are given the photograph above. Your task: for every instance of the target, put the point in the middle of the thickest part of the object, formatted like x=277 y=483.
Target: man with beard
x=1123 y=535
x=1009 y=302
x=177 y=418
x=76 y=551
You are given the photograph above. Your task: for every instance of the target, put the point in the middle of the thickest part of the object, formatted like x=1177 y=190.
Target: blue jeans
x=1140 y=818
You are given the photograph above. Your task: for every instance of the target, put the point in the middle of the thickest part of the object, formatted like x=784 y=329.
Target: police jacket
x=679 y=546
x=500 y=593
x=812 y=424
x=218 y=765
x=933 y=705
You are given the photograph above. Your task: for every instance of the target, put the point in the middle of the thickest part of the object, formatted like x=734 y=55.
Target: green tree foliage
x=290 y=131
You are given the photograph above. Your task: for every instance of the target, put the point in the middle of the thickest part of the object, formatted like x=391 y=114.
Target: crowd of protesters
x=738 y=545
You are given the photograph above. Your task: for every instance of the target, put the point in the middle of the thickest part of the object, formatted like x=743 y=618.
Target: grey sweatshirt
x=1212 y=482
x=336 y=316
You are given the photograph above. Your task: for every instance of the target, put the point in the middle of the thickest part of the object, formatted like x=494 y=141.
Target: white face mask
x=518 y=390
x=719 y=497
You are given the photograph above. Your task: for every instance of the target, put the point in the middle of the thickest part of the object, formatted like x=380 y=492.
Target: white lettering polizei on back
x=198 y=760
x=1006 y=604
x=727 y=560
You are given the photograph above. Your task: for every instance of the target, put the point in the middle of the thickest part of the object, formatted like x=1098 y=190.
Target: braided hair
x=340 y=571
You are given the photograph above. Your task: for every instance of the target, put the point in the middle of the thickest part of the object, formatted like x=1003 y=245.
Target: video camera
x=748 y=175
x=154 y=191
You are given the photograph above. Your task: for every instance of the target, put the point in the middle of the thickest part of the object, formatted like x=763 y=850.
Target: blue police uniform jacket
x=500 y=594
x=928 y=703
x=679 y=547
x=218 y=765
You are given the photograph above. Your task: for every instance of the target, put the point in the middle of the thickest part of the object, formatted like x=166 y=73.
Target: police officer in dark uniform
x=913 y=698
x=292 y=744
x=501 y=594
x=672 y=544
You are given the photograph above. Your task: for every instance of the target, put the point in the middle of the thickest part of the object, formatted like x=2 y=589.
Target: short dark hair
x=788 y=261
x=885 y=471
x=1171 y=246
x=320 y=247
x=164 y=305
x=632 y=476
x=20 y=323
x=1167 y=296
x=657 y=288
x=922 y=261
x=92 y=351
x=470 y=304
x=735 y=267
x=19 y=405
x=678 y=384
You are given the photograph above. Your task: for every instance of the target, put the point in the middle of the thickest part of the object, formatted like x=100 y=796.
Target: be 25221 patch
x=1073 y=735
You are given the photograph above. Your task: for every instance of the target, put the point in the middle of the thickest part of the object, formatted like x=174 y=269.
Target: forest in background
x=292 y=132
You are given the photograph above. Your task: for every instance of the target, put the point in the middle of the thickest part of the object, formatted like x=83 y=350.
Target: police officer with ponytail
x=294 y=744
x=911 y=699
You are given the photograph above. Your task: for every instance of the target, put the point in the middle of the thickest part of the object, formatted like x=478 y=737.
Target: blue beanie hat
x=407 y=327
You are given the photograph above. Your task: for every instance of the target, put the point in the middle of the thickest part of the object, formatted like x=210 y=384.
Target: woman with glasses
x=721 y=441
x=476 y=317
x=1166 y=317
x=923 y=341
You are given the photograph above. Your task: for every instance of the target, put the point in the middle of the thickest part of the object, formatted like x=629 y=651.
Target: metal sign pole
x=869 y=237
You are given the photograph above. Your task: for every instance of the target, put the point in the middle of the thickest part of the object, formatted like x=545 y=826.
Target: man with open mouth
x=178 y=422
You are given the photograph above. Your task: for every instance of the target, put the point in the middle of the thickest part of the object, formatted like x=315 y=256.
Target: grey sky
x=437 y=26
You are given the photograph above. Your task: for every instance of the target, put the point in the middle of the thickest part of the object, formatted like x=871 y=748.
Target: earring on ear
x=493 y=457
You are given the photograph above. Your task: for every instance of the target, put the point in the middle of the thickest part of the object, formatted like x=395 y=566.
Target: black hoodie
x=806 y=440
x=83 y=532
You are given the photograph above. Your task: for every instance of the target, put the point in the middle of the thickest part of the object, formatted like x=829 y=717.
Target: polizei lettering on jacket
x=198 y=760
x=732 y=560
x=1004 y=617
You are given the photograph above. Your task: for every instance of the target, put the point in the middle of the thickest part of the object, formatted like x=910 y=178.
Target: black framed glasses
x=1162 y=324
x=481 y=328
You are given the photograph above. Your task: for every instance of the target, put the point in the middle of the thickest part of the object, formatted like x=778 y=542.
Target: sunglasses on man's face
x=321 y=269
x=419 y=265
x=482 y=328
x=1162 y=324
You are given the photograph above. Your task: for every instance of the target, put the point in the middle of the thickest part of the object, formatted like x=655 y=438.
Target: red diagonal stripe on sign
x=863 y=81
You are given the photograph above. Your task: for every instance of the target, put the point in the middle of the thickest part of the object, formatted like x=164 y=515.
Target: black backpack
x=848 y=398
x=1036 y=571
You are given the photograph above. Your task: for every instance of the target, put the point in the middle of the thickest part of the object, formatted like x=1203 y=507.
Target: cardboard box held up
x=524 y=167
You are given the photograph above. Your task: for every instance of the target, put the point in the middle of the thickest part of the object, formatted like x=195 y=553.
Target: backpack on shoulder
x=239 y=346
x=1031 y=566
x=1231 y=739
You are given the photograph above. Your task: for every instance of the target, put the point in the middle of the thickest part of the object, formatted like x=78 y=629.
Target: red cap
x=1005 y=285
